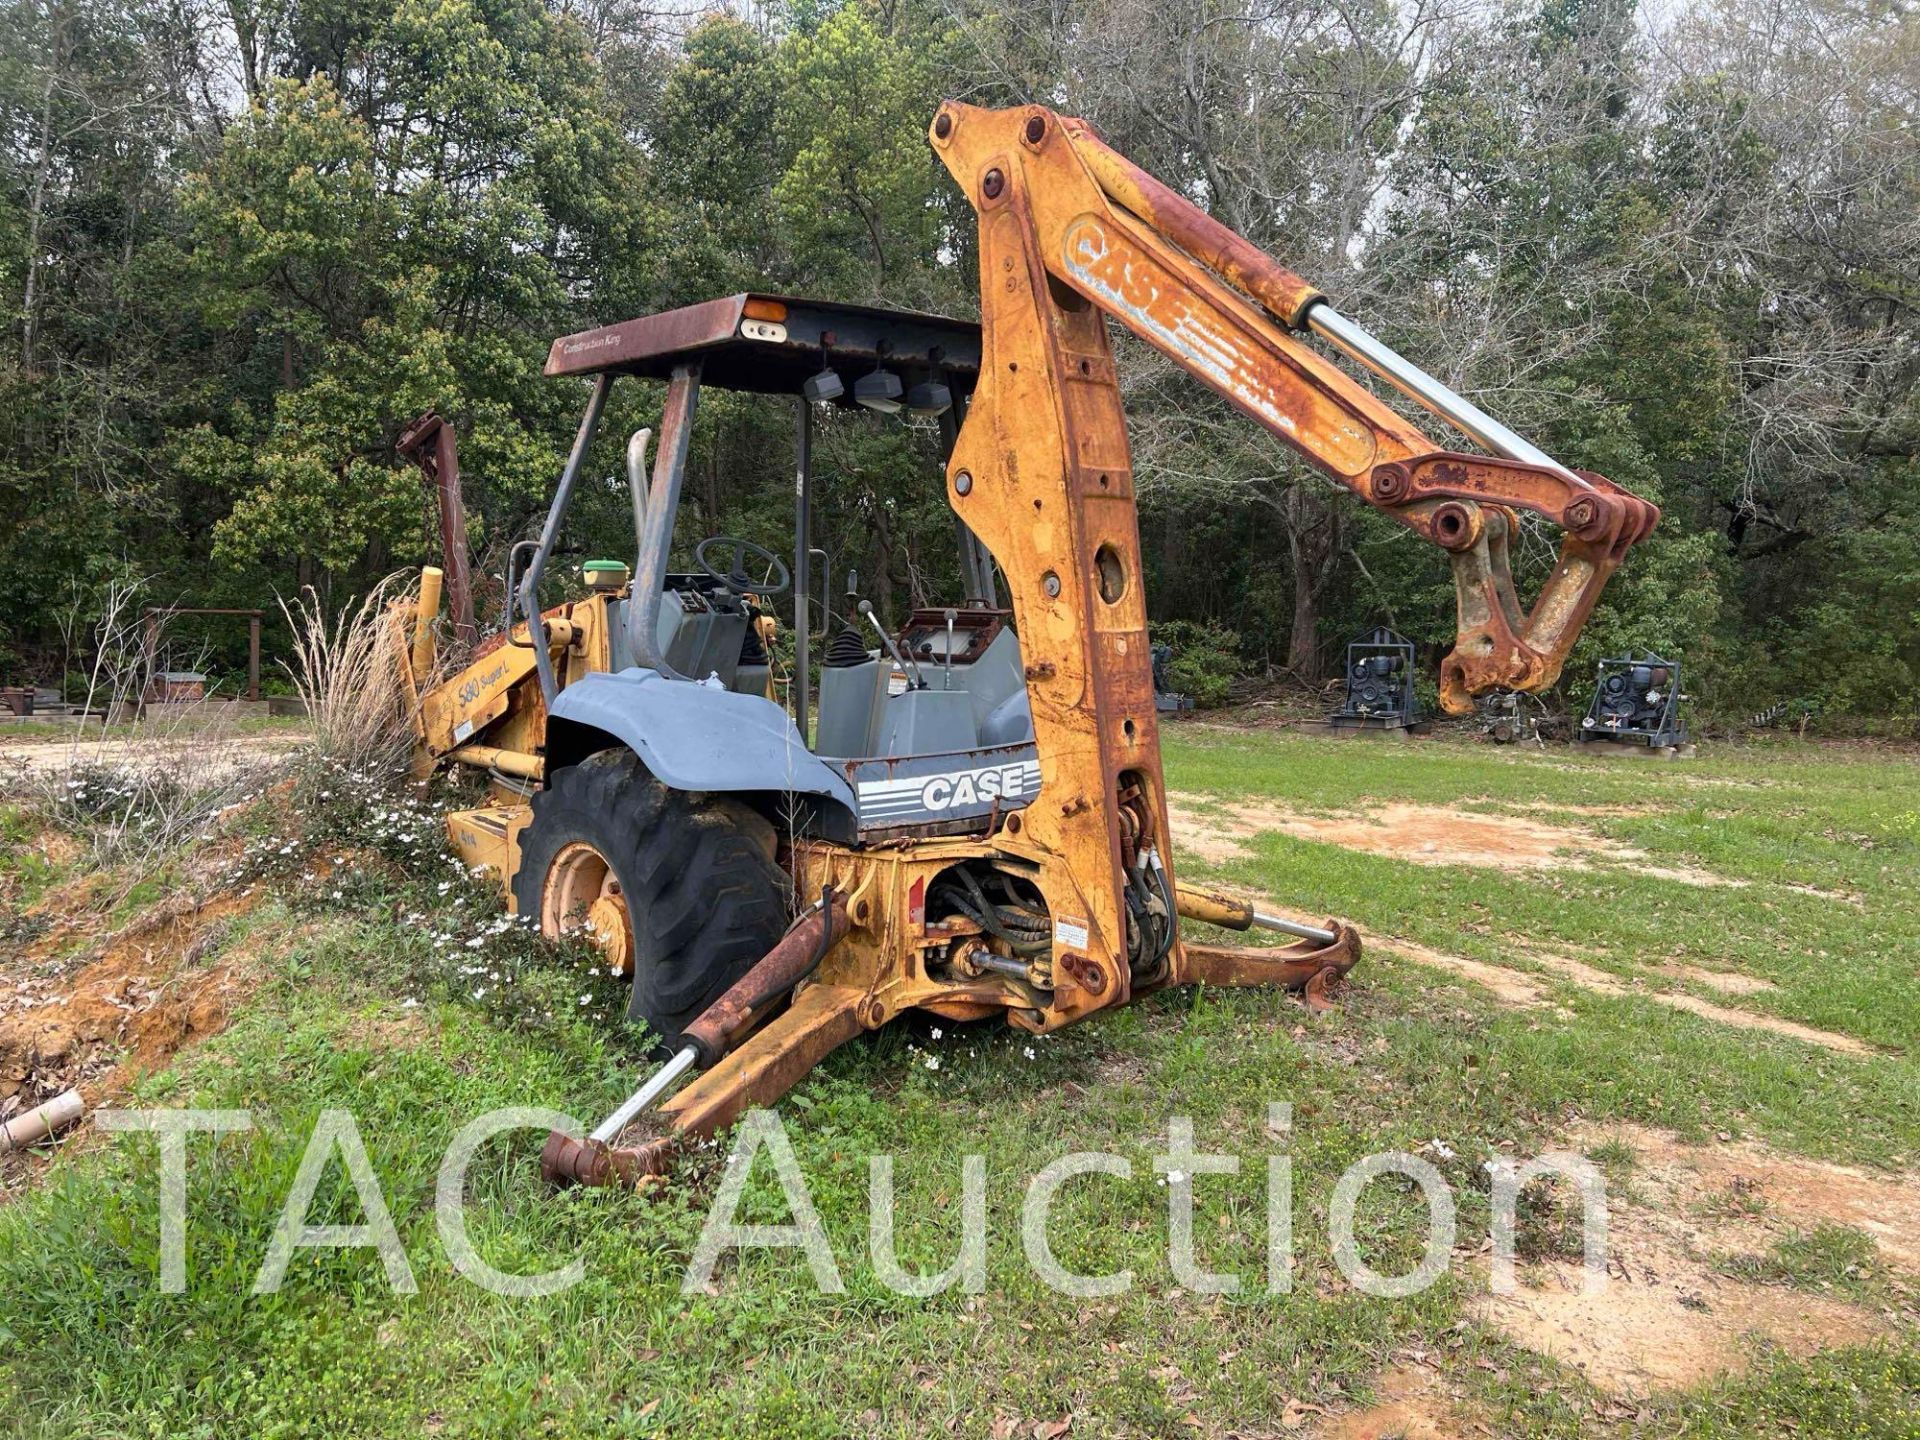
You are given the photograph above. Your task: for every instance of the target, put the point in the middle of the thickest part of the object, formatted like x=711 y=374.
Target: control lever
x=906 y=665
x=952 y=615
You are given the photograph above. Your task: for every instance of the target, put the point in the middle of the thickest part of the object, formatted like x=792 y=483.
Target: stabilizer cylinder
x=794 y=1044
x=1320 y=957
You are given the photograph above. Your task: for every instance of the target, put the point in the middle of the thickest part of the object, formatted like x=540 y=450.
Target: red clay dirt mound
x=1668 y=1317
x=1778 y=1193
x=129 y=1010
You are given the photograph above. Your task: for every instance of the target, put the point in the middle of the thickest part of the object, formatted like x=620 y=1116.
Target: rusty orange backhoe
x=970 y=817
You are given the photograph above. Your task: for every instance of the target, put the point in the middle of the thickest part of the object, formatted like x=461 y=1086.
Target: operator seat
x=942 y=703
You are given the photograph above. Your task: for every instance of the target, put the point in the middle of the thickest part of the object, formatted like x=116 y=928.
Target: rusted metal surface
x=785 y=966
x=1284 y=294
x=1055 y=201
x=1070 y=236
x=738 y=350
x=771 y=1062
x=633 y=343
x=429 y=443
x=821 y=1018
x=492 y=701
x=1050 y=487
x=1306 y=966
x=743 y=1066
x=567 y=1161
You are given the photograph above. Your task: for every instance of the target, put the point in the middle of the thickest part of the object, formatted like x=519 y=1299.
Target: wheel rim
x=582 y=897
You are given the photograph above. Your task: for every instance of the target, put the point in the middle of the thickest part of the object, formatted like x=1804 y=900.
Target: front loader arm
x=1111 y=235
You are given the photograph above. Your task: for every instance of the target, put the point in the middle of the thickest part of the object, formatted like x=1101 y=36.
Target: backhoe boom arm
x=1108 y=234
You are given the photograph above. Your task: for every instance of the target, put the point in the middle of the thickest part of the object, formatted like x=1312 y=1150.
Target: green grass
x=25 y=870
x=1411 y=1055
x=17 y=730
x=1828 y=1257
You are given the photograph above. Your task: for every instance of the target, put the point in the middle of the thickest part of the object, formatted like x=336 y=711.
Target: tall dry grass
x=351 y=673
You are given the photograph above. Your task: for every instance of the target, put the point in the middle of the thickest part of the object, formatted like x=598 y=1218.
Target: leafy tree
x=242 y=242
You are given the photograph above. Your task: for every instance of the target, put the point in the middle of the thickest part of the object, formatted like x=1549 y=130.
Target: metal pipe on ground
x=43 y=1120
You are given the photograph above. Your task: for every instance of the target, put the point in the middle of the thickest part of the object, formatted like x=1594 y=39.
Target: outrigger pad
x=567 y=1161
x=1303 y=966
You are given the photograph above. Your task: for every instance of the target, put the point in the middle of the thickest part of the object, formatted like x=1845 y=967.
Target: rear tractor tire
x=680 y=891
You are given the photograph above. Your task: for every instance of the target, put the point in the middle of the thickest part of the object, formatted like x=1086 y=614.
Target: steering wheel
x=735 y=577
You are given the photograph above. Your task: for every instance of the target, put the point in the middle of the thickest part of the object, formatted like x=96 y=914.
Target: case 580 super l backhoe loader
x=972 y=815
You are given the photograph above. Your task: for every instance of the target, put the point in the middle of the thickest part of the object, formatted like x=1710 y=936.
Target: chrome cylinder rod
x=644 y=1097
x=1003 y=964
x=1292 y=927
x=1458 y=411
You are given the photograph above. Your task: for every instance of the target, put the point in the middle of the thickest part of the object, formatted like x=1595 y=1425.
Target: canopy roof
x=771 y=344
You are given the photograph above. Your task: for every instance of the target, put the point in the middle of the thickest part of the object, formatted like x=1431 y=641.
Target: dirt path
x=1673 y=1312
x=1755 y=1195
x=1526 y=989
x=1410 y=1403
x=1676 y=1309
x=1667 y=1317
x=1217 y=831
x=1602 y=982
x=210 y=755
x=1520 y=988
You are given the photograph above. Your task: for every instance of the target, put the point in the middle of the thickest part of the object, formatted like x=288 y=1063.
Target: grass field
x=1607 y=984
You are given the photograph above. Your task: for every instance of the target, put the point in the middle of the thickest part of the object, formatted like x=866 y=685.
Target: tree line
x=243 y=242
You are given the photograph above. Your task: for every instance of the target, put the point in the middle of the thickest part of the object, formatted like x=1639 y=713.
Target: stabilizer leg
x=771 y=1062
x=1313 y=964
x=768 y=1062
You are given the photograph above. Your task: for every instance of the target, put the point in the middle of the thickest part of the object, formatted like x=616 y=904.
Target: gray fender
x=690 y=736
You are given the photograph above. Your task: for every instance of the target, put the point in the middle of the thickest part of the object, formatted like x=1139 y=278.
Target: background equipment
x=1379 y=694
x=1166 y=699
x=1636 y=701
